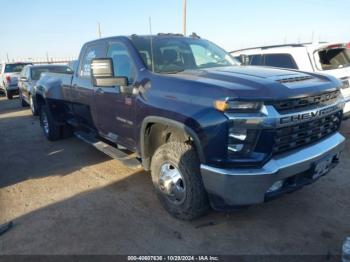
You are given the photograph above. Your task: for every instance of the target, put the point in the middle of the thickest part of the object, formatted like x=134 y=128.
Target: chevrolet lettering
x=308 y=115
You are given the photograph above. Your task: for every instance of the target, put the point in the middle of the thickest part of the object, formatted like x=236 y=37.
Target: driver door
x=115 y=110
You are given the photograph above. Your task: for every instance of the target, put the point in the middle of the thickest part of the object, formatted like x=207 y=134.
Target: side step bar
x=129 y=160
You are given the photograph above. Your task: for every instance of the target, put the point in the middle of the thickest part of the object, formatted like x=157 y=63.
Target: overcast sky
x=29 y=29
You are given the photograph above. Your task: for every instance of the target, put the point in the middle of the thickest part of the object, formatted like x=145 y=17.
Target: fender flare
x=171 y=123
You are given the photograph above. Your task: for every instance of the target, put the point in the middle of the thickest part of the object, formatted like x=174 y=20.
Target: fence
x=50 y=60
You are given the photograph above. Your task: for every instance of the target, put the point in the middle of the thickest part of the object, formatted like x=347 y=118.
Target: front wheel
x=51 y=129
x=176 y=177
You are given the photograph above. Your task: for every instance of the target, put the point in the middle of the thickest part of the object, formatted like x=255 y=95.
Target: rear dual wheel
x=51 y=129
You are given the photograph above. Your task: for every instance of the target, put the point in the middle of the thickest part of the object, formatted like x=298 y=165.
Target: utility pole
x=99 y=29
x=7 y=56
x=184 y=17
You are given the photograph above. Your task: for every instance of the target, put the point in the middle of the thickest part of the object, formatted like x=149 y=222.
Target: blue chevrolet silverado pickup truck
x=212 y=132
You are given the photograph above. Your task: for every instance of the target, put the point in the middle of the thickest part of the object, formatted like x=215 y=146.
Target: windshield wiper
x=173 y=72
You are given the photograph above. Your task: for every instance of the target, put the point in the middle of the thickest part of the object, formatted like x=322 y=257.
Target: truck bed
x=53 y=85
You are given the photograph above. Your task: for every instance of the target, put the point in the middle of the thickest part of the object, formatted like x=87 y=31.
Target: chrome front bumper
x=239 y=187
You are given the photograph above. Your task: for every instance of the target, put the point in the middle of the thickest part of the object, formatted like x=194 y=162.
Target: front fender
x=171 y=123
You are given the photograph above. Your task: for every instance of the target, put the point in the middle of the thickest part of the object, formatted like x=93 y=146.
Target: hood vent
x=294 y=79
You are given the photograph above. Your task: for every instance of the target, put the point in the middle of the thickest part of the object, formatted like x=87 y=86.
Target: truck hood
x=262 y=83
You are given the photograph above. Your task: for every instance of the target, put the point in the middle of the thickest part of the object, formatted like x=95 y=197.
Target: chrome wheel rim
x=172 y=184
x=45 y=123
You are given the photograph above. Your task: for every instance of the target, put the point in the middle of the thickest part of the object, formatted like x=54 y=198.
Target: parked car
x=330 y=58
x=9 y=78
x=28 y=79
x=209 y=130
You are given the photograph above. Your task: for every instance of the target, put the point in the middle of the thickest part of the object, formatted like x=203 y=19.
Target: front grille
x=292 y=137
x=319 y=100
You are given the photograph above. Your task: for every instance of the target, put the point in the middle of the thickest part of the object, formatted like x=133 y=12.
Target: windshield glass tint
x=37 y=71
x=14 y=68
x=176 y=54
x=334 y=58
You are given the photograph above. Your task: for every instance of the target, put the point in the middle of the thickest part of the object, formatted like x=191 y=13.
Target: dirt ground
x=68 y=198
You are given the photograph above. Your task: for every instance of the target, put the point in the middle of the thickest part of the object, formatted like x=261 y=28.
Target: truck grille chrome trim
x=319 y=100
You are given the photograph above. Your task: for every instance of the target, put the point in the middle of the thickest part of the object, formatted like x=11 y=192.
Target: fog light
x=276 y=186
x=236 y=148
x=239 y=134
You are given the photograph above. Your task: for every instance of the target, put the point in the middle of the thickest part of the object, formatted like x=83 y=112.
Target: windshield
x=37 y=71
x=334 y=58
x=176 y=54
x=14 y=68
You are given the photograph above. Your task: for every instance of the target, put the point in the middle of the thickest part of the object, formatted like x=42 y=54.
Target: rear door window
x=280 y=60
x=334 y=58
x=255 y=60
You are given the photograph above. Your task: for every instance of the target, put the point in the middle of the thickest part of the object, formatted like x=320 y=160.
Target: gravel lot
x=68 y=198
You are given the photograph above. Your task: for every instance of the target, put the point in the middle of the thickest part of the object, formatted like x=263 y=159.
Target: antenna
x=152 y=53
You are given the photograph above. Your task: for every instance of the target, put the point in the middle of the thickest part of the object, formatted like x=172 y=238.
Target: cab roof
x=159 y=35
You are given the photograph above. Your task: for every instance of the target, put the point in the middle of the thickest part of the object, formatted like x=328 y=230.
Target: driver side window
x=122 y=62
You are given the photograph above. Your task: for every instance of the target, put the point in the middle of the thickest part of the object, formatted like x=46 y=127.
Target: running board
x=129 y=160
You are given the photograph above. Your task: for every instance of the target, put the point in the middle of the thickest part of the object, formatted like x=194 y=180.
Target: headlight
x=241 y=142
x=237 y=106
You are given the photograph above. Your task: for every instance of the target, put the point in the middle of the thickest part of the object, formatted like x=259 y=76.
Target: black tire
x=51 y=129
x=184 y=158
x=9 y=95
x=67 y=131
x=23 y=102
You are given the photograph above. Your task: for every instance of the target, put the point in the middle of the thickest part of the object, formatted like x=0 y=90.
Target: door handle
x=100 y=91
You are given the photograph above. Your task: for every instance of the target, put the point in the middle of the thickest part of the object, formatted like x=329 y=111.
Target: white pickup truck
x=329 y=58
x=9 y=73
